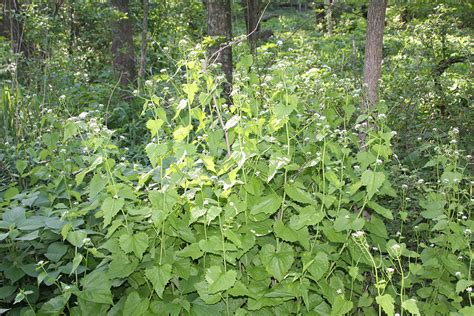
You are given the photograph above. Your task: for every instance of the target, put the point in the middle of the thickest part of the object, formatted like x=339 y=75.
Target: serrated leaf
x=159 y=276
x=218 y=280
x=96 y=288
x=373 y=181
x=341 y=306
x=136 y=243
x=387 y=303
x=410 y=306
x=182 y=132
x=284 y=232
x=380 y=209
x=317 y=265
x=298 y=194
x=267 y=204
x=462 y=284
x=277 y=261
x=135 y=305
x=155 y=152
x=154 y=126
x=277 y=161
x=110 y=207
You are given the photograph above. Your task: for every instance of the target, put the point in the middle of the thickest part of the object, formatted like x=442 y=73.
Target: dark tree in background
x=219 y=26
x=12 y=27
x=373 y=54
x=122 y=43
x=252 y=14
x=143 y=49
x=328 y=6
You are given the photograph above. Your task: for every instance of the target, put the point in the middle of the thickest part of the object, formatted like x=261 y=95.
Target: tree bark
x=252 y=13
x=141 y=73
x=328 y=4
x=219 y=25
x=373 y=55
x=122 y=43
x=12 y=28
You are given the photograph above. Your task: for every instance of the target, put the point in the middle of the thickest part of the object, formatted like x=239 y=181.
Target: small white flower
x=358 y=234
x=390 y=270
x=378 y=162
x=40 y=263
x=469 y=290
x=467 y=231
x=456 y=130
x=421 y=181
x=395 y=247
x=339 y=291
x=457 y=274
x=418 y=139
x=453 y=141
x=206 y=202
x=279 y=43
x=404 y=186
x=393 y=133
x=382 y=116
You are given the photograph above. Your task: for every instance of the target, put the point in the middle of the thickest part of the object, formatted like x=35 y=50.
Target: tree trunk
x=141 y=73
x=252 y=14
x=12 y=28
x=328 y=4
x=122 y=43
x=373 y=55
x=219 y=25
x=72 y=28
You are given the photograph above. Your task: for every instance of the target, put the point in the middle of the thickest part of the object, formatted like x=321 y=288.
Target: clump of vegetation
x=237 y=173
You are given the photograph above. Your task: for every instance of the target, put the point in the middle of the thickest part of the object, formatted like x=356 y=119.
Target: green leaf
x=380 y=209
x=182 y=132
x=136 y=243
x=76 y=262
x=387 y=303
x=333 y=179
x=70 y=130
x=277 y=161
x=373 y=181
x=155 y=152
x=284 y=232
x=317 y=265
x=410 y=306
x=462 y=284
x=218 y=280
x=159 y=276
x=190 y=89
x=341 y=306
x=96 y=288
x=277 y=261
x=268 y=204
x=298 y=194
x=135 y=305
x=308 y=216
x=21 y=165
x=96 y=185
x=191 y=250
x=56 y=251
x=209 y=163
x=55 y=306
x=154 y=126
x=76 y=238
x=111 y=207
